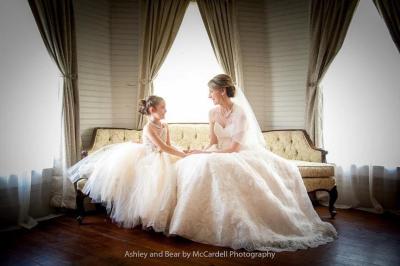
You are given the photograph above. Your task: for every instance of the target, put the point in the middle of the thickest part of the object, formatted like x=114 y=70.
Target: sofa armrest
x=323 y=154
x=312 y=146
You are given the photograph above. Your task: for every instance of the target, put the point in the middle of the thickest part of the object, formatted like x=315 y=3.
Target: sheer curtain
x=362 y=115
x=30 y=118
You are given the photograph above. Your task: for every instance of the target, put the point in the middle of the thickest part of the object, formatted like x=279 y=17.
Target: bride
x=236 y=193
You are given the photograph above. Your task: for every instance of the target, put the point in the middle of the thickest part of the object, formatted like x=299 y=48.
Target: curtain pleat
x=219 y=20
x=390 y=12
x=160 y=23
x=56 y=23
x=329 y=22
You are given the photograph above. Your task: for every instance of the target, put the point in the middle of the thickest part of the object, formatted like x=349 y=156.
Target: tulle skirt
x=252 y=199
x=137 y=185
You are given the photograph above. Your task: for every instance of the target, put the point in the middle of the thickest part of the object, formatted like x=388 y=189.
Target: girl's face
x=158 y=112
x=217 y=95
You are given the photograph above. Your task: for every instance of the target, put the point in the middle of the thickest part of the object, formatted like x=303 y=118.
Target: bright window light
x=190 y=64
x=30 y=106
x=362 y=96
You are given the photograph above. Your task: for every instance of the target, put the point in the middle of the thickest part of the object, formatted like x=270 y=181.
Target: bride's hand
x=196 y=151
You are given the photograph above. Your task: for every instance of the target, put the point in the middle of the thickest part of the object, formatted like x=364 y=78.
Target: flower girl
x=136 y=181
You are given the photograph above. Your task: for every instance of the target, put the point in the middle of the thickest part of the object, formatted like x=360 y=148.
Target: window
x=29 y=97
x=362 y=96
x=190 y=64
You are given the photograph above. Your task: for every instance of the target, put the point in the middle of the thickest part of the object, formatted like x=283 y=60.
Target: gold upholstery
x=314 y=169
x=313 y=184
x=290 y=144
x=189 y=136
x=107 y=136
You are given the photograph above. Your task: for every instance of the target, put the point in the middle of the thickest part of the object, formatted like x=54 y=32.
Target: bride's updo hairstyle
x=151 y=101
x=223 y=81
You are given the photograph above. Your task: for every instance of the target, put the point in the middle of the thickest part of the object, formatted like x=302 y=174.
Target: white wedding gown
x=136 y=182
x=251 y=199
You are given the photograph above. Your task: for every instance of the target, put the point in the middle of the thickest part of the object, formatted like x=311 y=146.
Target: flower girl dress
x=136 y=181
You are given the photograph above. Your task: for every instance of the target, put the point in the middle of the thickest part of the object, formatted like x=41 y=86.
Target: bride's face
x=159 y=111
x=217 y=95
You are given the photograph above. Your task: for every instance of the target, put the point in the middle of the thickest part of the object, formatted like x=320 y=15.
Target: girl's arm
x=162 y=145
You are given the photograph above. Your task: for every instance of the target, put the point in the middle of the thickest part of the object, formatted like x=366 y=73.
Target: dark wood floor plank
x=364 y=239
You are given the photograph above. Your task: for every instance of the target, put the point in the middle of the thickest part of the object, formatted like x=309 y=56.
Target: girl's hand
x=196 y=151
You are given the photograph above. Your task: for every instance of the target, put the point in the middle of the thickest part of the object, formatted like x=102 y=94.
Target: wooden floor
x=364 y=239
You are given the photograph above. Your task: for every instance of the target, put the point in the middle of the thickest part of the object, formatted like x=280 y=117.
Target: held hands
x=190 y=152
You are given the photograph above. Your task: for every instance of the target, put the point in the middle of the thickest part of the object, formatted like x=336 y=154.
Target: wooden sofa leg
x=80 y=209
x=333 y=195
x=313 y=198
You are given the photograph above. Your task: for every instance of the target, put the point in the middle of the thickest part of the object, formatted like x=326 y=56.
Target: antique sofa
x=292 y=144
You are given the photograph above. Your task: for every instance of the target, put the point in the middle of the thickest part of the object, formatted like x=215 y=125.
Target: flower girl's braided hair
x=151 y=101
x=223 y=81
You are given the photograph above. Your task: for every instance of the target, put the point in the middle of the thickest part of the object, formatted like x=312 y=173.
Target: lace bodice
x=229 y=128
x=162 y=133
x=223 y=135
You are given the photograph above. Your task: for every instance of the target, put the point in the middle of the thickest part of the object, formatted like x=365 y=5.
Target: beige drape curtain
x=219 y=20
x=160 y=23
x=56 y=23
x=329 y=22
x=390 y=11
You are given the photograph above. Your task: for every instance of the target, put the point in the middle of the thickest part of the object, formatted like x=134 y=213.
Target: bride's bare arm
x=162 y=145
x=168 y=136
x=213 y=137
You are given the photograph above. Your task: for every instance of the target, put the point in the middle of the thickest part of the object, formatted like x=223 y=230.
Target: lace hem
x=275 y=246
x=287 y=245
x=323 y=234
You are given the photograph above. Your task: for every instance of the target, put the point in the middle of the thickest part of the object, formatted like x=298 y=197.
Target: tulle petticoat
x=137 y=185
x=252 y=199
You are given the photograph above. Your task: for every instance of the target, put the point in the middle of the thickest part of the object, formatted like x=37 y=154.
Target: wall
x=274 y=43
x=124 y=61
x=107 y=43
x=94 y=65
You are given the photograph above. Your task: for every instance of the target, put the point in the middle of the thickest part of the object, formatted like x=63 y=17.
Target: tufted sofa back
x=185 y=136
x=293 y=144
x=189 y=136
x=290 y=144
